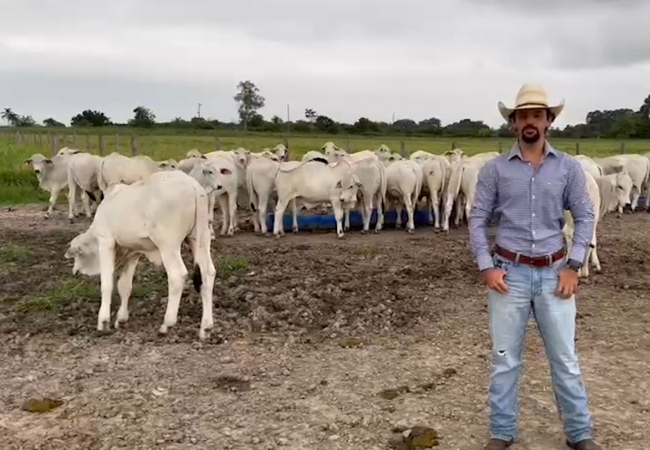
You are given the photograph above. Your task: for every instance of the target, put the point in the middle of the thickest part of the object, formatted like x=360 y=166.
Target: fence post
x=453 y=145
x=402 y=149
x=500 y=147
x=64 y=140
x=55 y=144
x=348 y=146
x=40 y=140
x=134 y=144
x=117 y=142
x=577 y=148
x=88 y=144
x=622 y=148
x=102 y=145
x=74 y=138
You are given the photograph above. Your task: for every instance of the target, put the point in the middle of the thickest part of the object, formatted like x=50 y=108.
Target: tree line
x=622 y=123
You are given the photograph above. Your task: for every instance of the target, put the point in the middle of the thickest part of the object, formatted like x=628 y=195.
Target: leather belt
x=535 y=261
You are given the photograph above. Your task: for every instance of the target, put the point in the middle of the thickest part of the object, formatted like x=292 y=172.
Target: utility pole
x=198 y=111
x=288 y=119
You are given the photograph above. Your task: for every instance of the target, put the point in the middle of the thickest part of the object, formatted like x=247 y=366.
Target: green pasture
x=18 y=183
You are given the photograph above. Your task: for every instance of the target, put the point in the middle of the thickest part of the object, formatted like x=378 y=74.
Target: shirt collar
x=516 y=151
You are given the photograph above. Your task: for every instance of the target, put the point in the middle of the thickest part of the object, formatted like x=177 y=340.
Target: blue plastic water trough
x=328 y=222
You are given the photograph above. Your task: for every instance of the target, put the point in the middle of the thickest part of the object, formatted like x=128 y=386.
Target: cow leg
x=380 y=213
x=54 y=195
x=124 y=287
x=201 y=252
x=338 y=215
x=176 y=274
x=225 y=217
x=85 y=200
x=435 y=203
x=366 y=211
x=262 y=208
x=232 y=208
x=107 y=268
x=410 y=224
x=211 y=202
x=398 y=212
x=72 y=197
x=294 y=215
x=458 y=211
x=280 y=208
x=635 y=198
x=346 y=224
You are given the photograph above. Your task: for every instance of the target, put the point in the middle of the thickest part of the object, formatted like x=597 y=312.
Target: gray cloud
x=344 y=58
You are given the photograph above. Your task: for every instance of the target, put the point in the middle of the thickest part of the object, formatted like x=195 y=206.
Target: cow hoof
x=103 y=327
x=409 y=231
x=295 y=231
x=375 y=231
x=340 y=236
x=363 y=231
x=163 y=329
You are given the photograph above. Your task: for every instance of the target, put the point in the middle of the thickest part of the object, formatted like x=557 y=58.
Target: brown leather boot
x=498 y=444
x=587 y=444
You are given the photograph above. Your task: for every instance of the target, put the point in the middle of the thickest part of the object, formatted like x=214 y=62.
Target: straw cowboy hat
x=531 y=96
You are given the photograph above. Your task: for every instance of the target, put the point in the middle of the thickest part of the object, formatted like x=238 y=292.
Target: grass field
x=18 y=183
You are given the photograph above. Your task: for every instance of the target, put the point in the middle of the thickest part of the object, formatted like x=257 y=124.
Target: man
x=531 y=187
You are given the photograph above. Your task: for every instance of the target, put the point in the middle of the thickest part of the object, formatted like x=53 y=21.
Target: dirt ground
x=319 y=343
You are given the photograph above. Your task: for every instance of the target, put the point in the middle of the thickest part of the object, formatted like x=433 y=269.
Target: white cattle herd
x=147 y=207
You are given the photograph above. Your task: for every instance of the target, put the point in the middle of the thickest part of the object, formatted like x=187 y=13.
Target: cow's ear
x=339 y=185
x=48 y=161
x=28 y=161
x=225 y=171
x=203 y=157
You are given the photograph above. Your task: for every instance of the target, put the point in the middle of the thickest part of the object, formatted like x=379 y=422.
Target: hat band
x=543 y=105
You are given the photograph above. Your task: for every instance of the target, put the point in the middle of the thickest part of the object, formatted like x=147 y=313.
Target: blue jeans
x=533 y=289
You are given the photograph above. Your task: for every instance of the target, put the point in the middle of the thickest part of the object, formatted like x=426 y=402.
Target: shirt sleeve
x=484 y=203
x=578 y=202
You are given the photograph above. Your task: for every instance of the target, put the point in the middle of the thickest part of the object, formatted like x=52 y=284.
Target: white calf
x=403 y=187
x=315 y=181
x=52 y=175
x=373 y=184
x=220 y=179
x=150 y=218
x=82 y=172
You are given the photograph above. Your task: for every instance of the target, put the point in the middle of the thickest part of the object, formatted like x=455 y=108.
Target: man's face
x=531 y=124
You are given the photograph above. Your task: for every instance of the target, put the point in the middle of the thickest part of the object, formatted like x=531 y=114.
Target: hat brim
x=506 y=112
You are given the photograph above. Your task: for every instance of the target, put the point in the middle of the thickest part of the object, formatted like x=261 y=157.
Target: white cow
x=421 y=155
x=383 y=152
x=637 y=166
x=220 y=178
x=52 y=175
x=82 y=172
x=312 y=154
x=614 y=191
x=315 y=181
x=461 y=188
x=151 y=218
x=591 y=166
x=116 y=168
x=260 y=184
x=434 y=173
x=568 y=229
x=372 y=190
x=329 y=147
x=342 y=155
x=404 y=183
x=454 y=155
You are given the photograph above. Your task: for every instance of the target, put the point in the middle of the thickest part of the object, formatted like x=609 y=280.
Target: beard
x=530 y=138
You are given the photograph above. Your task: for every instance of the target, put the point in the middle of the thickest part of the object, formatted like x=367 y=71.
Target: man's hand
x=567 y=284
x=493 y=278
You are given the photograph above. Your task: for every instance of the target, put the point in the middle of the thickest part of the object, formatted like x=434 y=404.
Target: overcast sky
x=416 y=59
